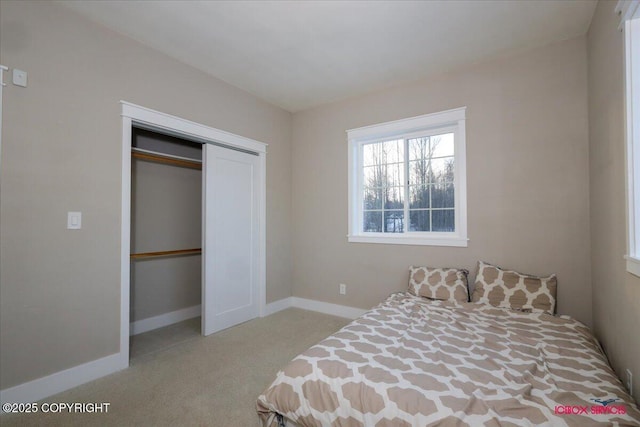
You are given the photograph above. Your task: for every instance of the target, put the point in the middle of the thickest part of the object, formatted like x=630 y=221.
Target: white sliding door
x=231 y=237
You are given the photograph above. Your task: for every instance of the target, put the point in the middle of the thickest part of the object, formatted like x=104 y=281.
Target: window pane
x=393 y=151
x=442 y=196
x=394 y=198
x=420 y=220
x=372 y=222
x=371 y=154
x=419 y=197
x=393 y=221
x=442 y=145
x=442 y=169
x=419 y=148
x=372 y=198
x=394 y=174
x=379 y=153
x=419 y=172
x=383 y=175
x=373 y=176
x=443 y=220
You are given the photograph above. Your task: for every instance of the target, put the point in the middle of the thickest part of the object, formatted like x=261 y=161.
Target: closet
x=193 y=230
x=166 y=240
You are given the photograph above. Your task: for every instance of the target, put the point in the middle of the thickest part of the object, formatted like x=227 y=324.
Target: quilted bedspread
x=415 y=362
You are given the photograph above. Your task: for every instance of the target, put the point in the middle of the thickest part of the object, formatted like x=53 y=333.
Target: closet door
x=230 y=247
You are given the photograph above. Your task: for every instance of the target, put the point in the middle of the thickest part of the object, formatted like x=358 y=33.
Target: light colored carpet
x=204 y=381
x=161 y=339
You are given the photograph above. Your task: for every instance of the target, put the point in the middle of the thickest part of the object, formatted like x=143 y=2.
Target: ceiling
x=301 y=54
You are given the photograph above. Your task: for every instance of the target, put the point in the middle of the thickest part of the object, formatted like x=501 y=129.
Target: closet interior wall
x=166 y=211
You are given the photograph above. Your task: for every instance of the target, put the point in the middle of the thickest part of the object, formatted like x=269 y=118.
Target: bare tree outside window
x=429 y=163
x=384 y=187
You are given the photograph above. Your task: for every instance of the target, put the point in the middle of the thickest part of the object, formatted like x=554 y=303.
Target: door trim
x=135 y=115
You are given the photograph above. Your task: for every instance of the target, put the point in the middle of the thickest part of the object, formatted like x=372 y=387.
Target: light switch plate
x=19 y=78
x=74 y=220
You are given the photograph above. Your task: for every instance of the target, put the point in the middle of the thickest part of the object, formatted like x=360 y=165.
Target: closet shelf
x=142 y=255
x=151 y=156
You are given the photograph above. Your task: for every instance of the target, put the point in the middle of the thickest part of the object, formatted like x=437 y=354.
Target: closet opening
x=166 y=241
x=228 y=227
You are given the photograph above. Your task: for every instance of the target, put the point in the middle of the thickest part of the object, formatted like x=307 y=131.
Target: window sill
x=633 y=265
x=410 y=240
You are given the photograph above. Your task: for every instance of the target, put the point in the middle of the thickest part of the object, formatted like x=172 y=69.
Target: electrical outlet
x=630 y=382
x=74 y=220
x=20 y=78
x=343 y=289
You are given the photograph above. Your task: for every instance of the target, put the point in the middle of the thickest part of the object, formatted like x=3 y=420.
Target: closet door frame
x=137 y=116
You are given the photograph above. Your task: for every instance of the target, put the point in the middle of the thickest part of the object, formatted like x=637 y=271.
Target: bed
x=412 y=361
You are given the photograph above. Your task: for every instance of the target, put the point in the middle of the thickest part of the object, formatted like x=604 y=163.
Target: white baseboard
x=40 y=388
x=312 y=305
x=328 y=308
x=166 y=319
x=276 y=306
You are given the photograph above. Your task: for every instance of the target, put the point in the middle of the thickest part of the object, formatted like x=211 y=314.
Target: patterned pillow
x=510 y=289
x=449 y=284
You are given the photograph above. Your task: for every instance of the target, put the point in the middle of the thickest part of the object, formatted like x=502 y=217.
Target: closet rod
x=141 y=255
x=139 y=153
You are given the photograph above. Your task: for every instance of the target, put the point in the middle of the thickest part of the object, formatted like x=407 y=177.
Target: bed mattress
x=417 y=362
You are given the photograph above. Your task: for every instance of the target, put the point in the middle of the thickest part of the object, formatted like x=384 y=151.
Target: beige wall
x=166 y=214
x=528 y=196
x=60 y=289
x=616 y=293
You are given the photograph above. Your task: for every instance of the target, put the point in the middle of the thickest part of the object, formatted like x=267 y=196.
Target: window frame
x=630 y=23
x=426 y=125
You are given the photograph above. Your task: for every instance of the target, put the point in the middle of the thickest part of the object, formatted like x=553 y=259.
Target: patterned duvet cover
x=417 y=362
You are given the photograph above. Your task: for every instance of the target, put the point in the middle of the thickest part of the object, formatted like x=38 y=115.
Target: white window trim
x=357 y=137
x=630 y=12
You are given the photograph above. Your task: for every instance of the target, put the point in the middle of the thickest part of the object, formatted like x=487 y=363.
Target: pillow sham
x=517 y=291
x=447 y=284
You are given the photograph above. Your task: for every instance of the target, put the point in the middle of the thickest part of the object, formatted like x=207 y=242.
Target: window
x=407 y=181
x=630 y=13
